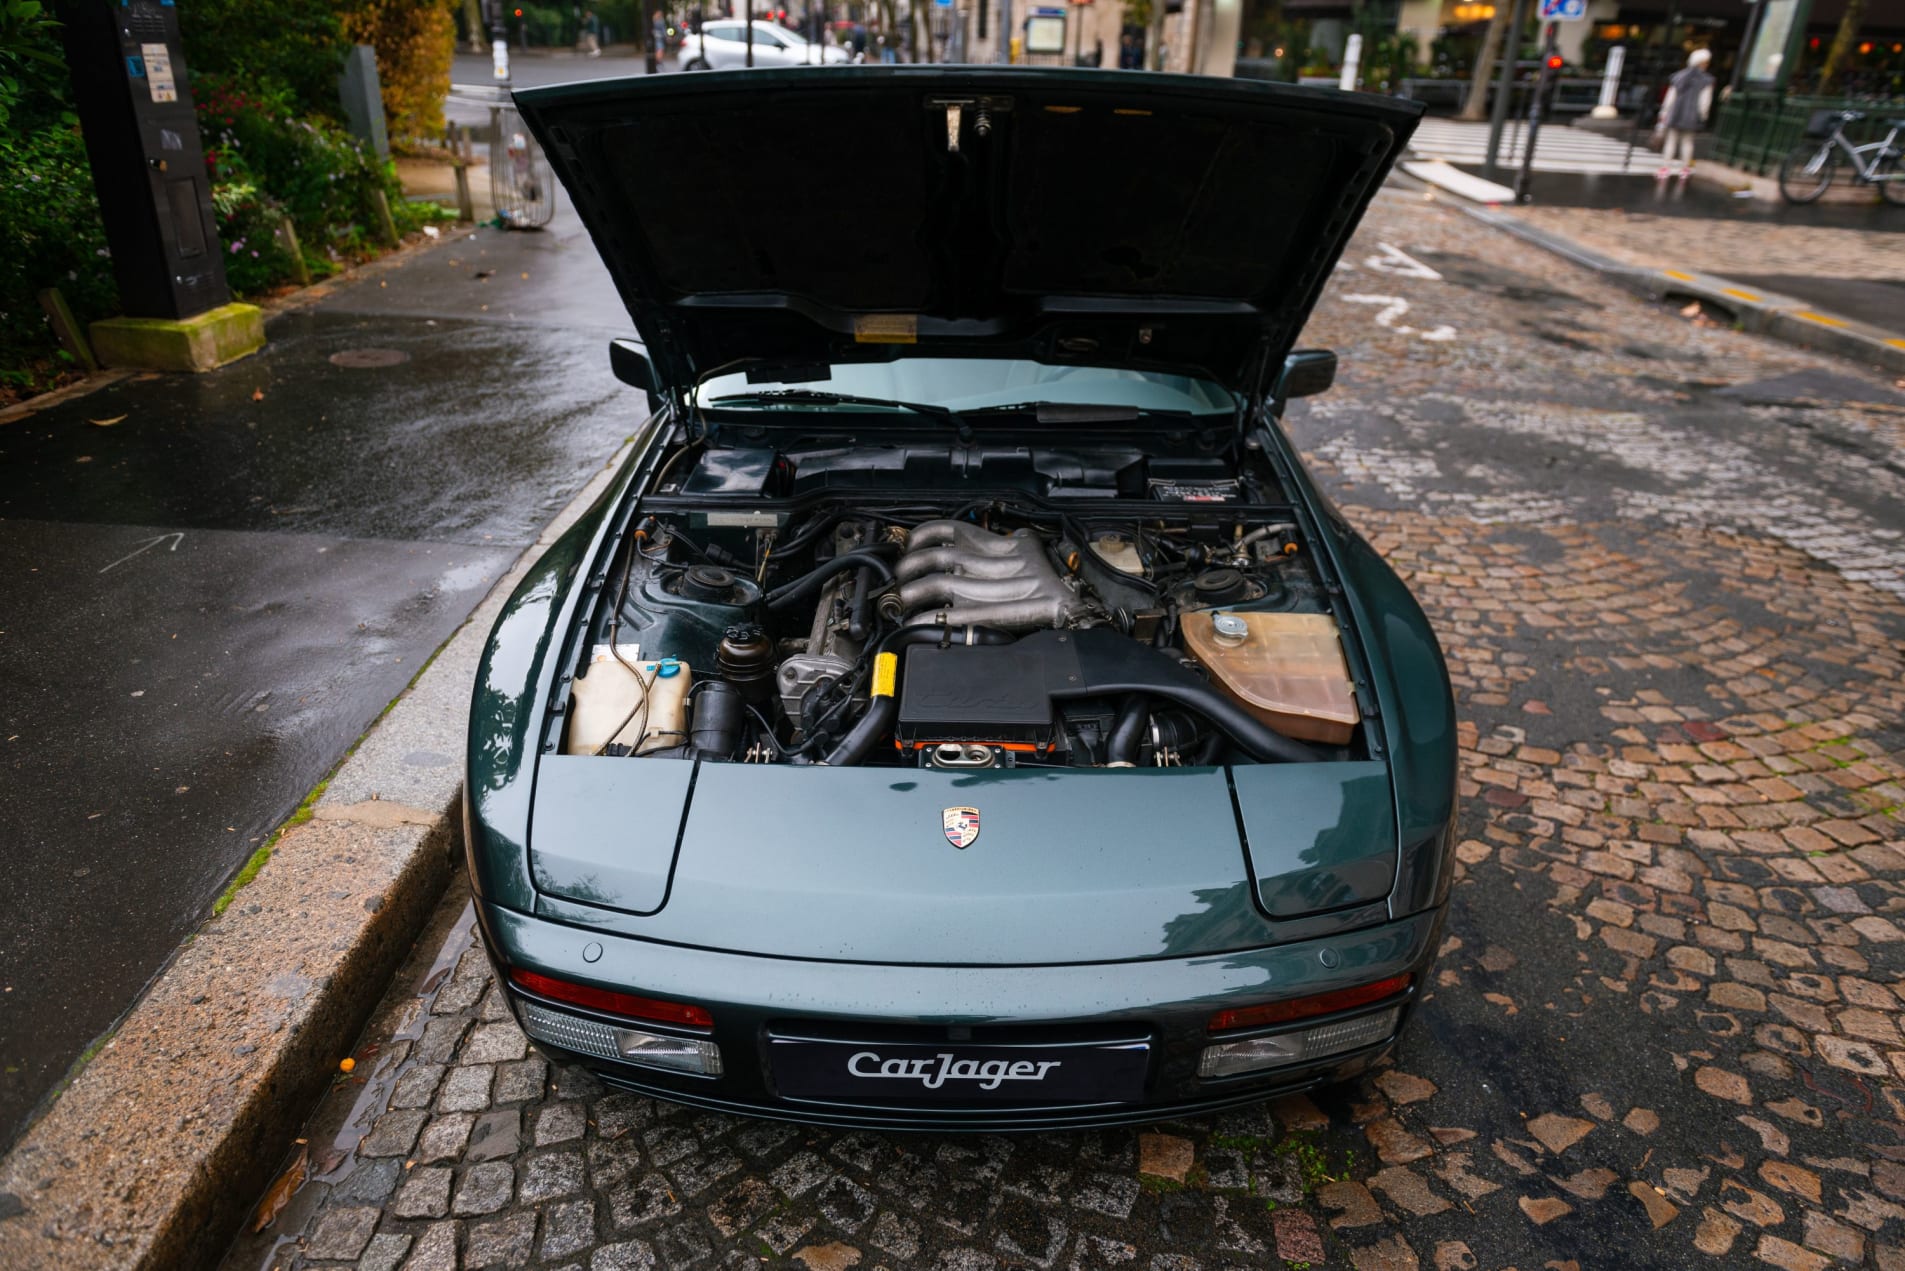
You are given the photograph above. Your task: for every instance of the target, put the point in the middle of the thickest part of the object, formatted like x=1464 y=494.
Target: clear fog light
x=1229 y=1059
x=630 y=1045
x=677 y=1054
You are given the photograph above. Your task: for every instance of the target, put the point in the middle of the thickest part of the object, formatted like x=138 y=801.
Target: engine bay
x=763 y=610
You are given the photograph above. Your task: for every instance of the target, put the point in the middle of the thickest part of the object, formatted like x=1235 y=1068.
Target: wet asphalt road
x=1666 y=562
x=214 y=583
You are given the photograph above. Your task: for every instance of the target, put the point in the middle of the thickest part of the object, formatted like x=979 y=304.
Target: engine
x=996 y=636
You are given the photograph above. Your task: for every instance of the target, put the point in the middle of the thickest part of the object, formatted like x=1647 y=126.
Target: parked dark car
x=963 y=709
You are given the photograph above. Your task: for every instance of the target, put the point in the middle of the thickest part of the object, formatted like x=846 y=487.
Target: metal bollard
x=1610 y=84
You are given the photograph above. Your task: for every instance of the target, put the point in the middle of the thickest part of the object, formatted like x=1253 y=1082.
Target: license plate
x=954 y=1072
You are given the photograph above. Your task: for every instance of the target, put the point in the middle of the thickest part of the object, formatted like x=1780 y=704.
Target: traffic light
x=1554 y=61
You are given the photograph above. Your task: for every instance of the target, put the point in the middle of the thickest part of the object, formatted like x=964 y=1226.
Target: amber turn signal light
x=1305 y=1007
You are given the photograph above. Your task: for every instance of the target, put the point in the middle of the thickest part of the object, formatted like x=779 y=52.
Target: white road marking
x=1393 y=260
x=1393 y=308
x=177 y=537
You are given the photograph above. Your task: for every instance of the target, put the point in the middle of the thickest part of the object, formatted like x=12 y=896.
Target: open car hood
x=1106 y=218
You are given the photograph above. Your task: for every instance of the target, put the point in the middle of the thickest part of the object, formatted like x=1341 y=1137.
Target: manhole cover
x=367 y=359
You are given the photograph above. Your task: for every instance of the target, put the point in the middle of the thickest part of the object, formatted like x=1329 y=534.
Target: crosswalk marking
x=1559 y=148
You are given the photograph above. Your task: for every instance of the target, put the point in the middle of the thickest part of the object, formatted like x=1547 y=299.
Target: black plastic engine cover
x=983 y=693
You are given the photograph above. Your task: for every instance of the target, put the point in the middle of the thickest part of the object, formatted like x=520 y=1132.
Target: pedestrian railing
x=1755 y=131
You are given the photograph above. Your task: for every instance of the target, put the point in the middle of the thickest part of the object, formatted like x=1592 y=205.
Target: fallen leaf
x=1691 y=311
x=106 y=423
x=257 y=394
x=282 y=1191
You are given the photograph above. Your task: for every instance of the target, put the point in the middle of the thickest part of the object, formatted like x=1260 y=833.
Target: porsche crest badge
x=962 y=826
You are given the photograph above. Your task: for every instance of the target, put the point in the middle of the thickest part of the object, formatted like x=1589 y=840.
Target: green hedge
x=258 y=71
x=50 y=236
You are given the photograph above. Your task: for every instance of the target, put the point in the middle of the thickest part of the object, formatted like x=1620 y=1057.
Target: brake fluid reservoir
x=628 y=703
x=1287 y=669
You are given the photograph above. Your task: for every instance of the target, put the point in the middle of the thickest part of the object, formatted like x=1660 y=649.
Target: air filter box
x=998 y=694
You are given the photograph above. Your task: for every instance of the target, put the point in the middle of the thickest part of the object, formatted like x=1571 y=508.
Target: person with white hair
x=1684 y=113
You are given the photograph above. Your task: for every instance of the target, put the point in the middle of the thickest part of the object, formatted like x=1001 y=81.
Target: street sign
x=1044 y=35
x=1563 y=10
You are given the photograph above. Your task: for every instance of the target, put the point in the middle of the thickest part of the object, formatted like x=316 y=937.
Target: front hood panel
x=822 y=215
x=857 y=864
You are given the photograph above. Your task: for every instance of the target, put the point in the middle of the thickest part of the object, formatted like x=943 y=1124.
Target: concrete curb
x=1756 y=310
x=162 y=1144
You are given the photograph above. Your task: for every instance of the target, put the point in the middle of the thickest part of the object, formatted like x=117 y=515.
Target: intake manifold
x=956 y=574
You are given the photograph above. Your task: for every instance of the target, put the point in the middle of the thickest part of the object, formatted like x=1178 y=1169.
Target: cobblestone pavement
x=1743 y=246
x=1667 y=565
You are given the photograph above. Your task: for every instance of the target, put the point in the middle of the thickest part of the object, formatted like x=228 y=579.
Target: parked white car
x=722 y=45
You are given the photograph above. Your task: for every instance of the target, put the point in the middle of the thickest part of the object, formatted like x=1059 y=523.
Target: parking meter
x=155 y=196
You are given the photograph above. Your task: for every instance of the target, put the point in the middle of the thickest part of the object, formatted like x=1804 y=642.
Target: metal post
x=1753 y=21
x=750 y=32
x=1610 y=84
x=1544 y=81
x=1352 y=62
x=1005 y=31
x=1498 y=114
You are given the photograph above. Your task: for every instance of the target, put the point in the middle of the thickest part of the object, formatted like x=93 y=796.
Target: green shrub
x=50 y=236
x=32 y=67
x=289 y=49
x=318 y=174
x=255 y=258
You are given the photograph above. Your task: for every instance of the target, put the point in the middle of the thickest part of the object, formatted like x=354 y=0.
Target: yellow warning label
x=886 y=672
x=886 y=328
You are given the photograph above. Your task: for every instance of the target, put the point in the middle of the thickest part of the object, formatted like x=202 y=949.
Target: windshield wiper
x=819 y=397
x=1070 y=412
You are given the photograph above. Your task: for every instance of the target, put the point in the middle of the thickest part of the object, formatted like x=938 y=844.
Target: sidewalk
x=221 y=581
x=1829 y=278
x=1845 y=269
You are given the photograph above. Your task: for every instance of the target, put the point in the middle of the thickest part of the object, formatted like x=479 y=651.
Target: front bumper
x=1166 y=1003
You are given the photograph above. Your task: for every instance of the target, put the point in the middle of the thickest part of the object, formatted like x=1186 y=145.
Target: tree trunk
x=921 y=29
x=1475 y=105
x=473 y=25
x=889 y=31
x=1841 y=45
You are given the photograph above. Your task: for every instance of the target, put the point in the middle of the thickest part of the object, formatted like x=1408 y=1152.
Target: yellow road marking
x=1675 y=273
x=1738 y=294
x=1897 y=344
x=1820 y=318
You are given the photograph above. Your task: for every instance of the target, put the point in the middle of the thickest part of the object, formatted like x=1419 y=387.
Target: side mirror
x=630 y=362
x=1306 y=373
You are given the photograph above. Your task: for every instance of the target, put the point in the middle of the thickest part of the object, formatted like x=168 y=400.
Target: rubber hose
x=883 y=711
x=866 y=734
x=786 y=595
x=923 y=633
x=1128 y=731
x=860 y=610
x=1110 y=663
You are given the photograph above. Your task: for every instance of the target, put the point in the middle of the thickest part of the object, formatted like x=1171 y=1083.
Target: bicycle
x=1805 y=174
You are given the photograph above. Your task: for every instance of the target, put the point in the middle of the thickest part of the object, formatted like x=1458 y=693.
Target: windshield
x=961 y=384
